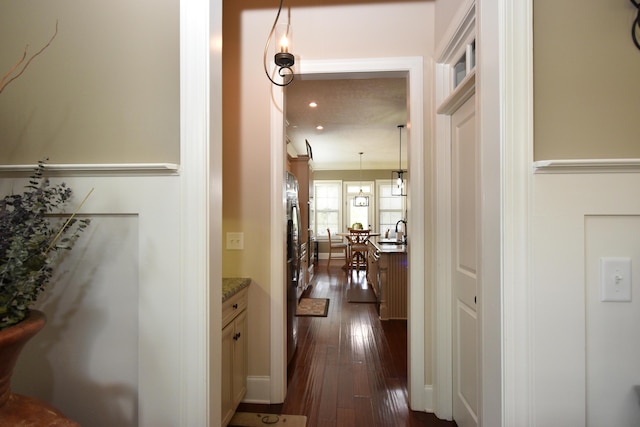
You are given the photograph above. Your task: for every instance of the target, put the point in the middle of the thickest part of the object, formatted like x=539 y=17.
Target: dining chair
x=359 y=249
x=336 y=247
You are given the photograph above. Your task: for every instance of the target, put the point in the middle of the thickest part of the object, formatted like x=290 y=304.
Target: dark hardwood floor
x=350 y=368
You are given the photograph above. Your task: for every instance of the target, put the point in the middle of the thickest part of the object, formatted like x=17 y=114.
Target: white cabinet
x=234 y=353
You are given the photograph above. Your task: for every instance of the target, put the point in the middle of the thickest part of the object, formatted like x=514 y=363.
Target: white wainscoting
x=110 y=354
x=586 y=353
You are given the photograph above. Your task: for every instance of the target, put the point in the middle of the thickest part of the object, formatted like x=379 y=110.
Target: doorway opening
x=412 y=70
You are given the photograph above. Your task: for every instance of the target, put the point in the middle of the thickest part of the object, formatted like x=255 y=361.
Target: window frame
x=348 y=197
x=379 y=211
x=320 y=233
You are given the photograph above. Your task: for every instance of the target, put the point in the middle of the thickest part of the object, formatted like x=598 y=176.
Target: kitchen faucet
x=404 y=238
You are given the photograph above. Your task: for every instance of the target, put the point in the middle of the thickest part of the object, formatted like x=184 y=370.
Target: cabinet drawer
x=233 y=306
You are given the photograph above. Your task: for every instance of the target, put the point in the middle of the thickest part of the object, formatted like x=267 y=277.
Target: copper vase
x=16 y=409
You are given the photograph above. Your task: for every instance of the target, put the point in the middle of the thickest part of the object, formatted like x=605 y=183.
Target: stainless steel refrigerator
x=293 y=263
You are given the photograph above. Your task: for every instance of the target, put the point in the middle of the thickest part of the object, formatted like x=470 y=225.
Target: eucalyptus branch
x=67 y=222
x=11 y=75
x=30 y=242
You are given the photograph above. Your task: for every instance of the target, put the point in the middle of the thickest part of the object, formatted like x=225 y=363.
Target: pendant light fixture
x=283 y=59
x=361 y=200
x=398 y=184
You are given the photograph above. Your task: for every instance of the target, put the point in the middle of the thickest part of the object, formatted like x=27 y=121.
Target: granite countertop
x=390 y=248
x=233 y=285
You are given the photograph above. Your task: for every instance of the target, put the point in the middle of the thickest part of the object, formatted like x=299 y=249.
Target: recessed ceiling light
x=313 y=104
x=319 y=127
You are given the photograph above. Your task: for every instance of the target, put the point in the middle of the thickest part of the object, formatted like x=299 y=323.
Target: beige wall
x=446 y=11
x=586 y=86
x=106 y=90
x=329 y=32
x=352 y=175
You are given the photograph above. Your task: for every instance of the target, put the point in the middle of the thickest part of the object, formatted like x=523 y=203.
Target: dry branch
x=20 y=66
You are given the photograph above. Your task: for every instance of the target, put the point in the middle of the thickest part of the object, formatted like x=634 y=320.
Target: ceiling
x=360 y=113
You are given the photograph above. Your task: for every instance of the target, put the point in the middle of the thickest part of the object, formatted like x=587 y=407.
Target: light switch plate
x=615 y=279
x=235 y=241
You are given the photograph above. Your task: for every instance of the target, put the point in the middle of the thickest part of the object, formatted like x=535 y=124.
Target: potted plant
x=32 y=237
x=31 y=241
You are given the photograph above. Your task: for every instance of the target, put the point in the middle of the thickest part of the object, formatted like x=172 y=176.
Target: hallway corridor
x=350 y=368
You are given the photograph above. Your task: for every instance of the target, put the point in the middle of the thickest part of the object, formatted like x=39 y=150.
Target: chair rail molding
x=95 y=169
x=587 y=166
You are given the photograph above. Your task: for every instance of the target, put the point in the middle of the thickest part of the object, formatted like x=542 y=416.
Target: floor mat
x=318 y=307
x=247 y=419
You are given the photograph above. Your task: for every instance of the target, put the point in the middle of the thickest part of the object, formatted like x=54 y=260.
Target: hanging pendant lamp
x=398 y=184
x=361 y=200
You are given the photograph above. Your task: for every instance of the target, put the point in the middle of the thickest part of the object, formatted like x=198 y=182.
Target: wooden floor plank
x=350 y=368
x=346 y=417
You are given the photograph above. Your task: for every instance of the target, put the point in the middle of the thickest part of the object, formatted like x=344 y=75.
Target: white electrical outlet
x=235 y=241
x=615 y=279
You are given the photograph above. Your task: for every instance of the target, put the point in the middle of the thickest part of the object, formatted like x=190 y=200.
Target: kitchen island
x=387 y=276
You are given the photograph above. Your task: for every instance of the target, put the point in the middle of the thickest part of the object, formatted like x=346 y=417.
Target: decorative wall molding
x=132 y=242
x=566 y=270
x=102 y=169
x=465 y=90
x=587 y=166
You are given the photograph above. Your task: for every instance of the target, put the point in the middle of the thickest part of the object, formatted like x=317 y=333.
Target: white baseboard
x=258 y=390
x=428 y=398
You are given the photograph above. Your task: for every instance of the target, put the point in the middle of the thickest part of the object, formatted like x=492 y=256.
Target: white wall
x=578 y=218
x=613 y=347
x=106 y=355
x=86 y=358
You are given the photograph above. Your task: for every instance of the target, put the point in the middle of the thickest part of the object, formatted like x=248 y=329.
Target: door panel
x=464 y=263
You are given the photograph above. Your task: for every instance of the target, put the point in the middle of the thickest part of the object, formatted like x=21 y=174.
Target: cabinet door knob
x=235 y=306
x=236 y=336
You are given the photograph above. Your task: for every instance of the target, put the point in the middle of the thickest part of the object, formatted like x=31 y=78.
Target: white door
x=464 y=264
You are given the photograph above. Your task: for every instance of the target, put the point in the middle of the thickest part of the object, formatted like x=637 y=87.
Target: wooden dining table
x=360 y=237
x=352 y=236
